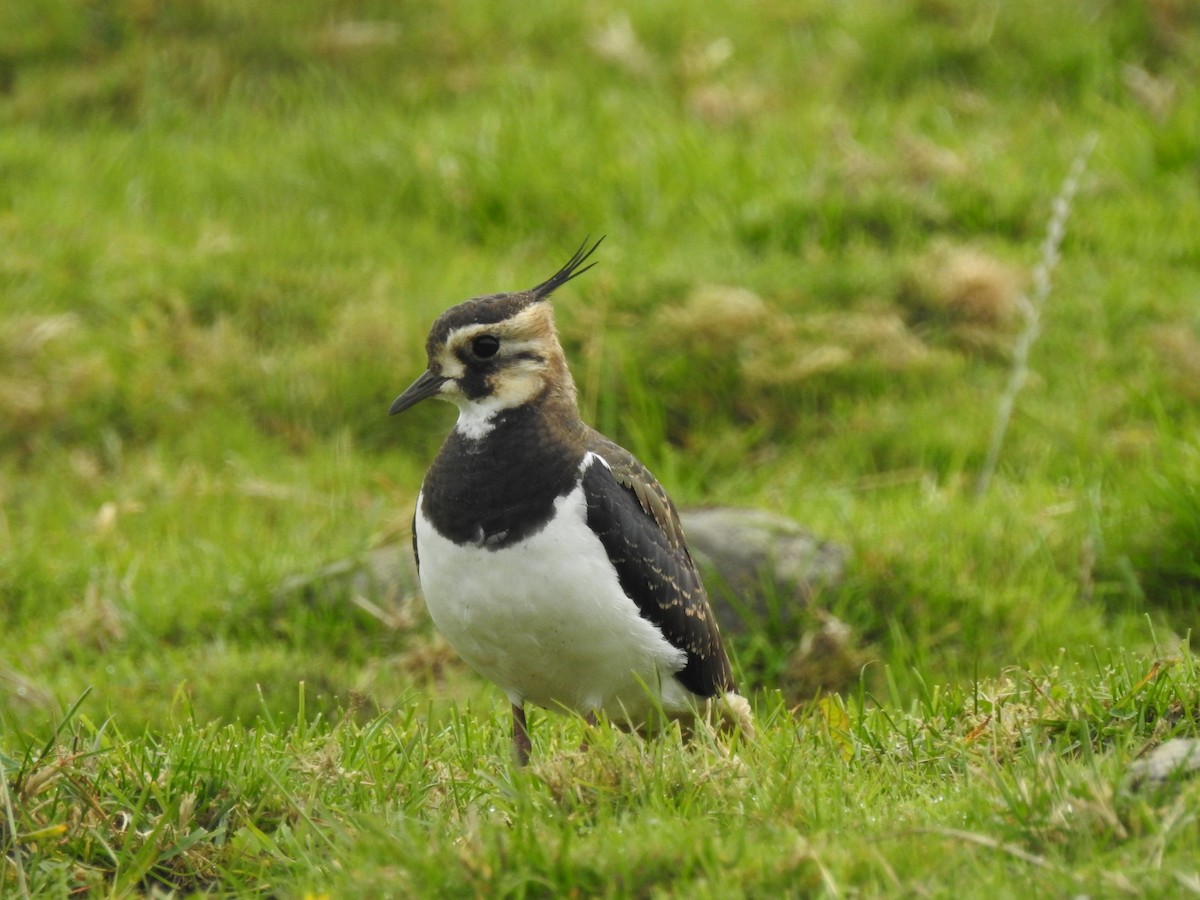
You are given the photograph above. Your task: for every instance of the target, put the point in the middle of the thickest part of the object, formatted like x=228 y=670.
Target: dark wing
x=639 y=528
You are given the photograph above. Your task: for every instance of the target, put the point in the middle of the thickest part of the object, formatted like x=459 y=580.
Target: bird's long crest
x=568 y=271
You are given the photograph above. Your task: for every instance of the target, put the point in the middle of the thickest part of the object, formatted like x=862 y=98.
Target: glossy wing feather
x=639 y=528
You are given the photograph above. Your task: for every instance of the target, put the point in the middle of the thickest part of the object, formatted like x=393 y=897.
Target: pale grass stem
x=10 y=821
x=1031 y=305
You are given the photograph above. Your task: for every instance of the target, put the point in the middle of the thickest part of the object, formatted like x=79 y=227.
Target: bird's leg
x=521 y=743
x=589 y=722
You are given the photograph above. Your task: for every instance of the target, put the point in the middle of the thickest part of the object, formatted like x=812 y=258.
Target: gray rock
x=1171 y=759
x=382 y=583
x=762 y=570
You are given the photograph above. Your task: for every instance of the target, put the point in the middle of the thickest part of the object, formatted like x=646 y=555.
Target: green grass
x=1022 y=780
x=224 y=230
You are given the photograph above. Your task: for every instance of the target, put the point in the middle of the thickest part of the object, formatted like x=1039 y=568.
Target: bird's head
x=497 y=352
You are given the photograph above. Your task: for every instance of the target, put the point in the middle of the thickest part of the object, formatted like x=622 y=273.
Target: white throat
x=477 y=418
x=516 y=385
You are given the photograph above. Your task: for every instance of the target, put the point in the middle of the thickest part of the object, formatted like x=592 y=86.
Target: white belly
x=547 y=621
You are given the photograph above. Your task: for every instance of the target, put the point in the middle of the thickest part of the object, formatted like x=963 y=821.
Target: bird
x=552 y=560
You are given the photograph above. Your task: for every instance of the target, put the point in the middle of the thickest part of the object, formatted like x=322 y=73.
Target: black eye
x=485 y=345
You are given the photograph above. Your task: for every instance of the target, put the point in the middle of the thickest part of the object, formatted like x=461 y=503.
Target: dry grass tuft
x=46 y=369
x=713 y=314
x=354 y=36
x=426 y=660
x=773 y=349
x=613 y=768
x=721 y=105
x=618 y=43
x=926 y=161
x=793 y=351
x=94 y=625
x=1177 y=347
x=1156 y=95
x=829 y=658
x=974 y=296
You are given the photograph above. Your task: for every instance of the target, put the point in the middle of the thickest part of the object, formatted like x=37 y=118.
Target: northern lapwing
x=551 y=559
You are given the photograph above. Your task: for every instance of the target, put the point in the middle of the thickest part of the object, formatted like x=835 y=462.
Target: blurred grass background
x=225 y=228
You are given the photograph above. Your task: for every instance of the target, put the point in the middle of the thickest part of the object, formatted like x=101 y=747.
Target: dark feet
x=589 y=722
x=521 y=743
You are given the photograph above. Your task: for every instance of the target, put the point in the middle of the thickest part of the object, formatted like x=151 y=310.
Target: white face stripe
x=526 y=342
x=518 y=384
x=450 y=366
x=530 y=329
x=509 y=344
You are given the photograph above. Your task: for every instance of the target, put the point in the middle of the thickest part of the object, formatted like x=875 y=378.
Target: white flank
x=547 y=621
